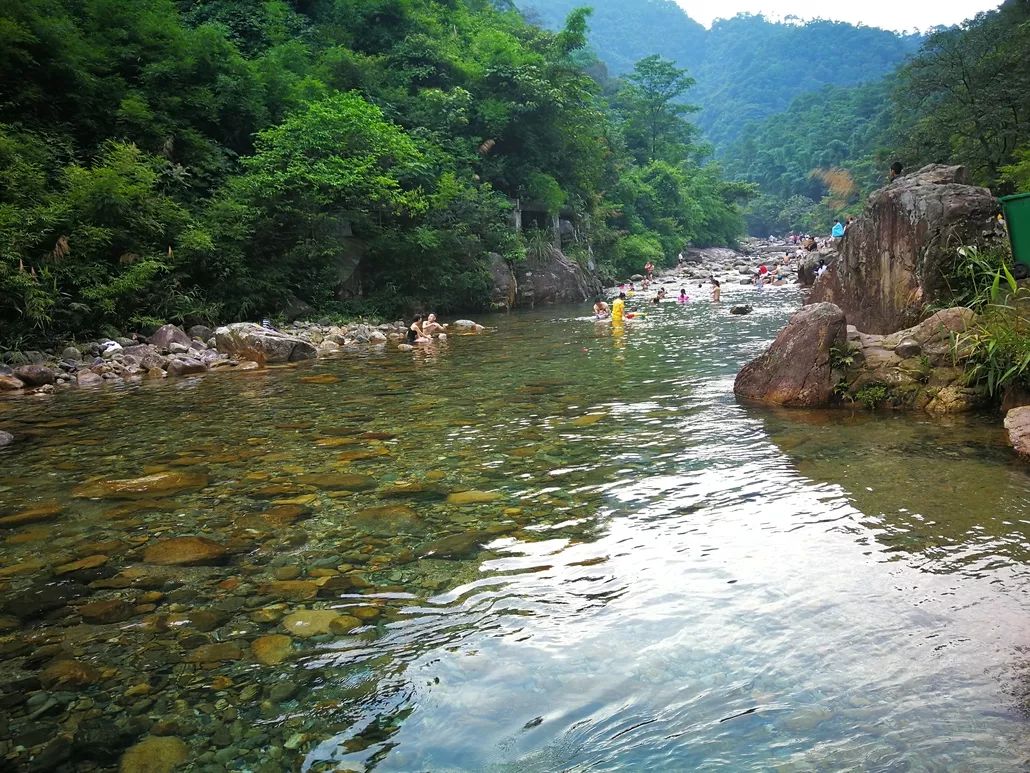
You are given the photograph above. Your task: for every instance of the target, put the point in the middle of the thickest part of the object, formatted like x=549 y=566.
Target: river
x=648 y=575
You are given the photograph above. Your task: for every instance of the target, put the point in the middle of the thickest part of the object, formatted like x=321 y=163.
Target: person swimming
x=431 y=326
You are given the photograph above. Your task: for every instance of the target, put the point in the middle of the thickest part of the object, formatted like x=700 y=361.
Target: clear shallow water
x=667 y=581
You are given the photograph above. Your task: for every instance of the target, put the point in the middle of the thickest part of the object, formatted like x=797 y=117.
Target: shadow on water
x=558 y=546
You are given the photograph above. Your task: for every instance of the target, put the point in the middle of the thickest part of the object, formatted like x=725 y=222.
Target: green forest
x=203 y=161
x=212 y=160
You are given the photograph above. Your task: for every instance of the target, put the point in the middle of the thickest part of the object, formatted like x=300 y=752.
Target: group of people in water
x=421 y=331
x=617 y=311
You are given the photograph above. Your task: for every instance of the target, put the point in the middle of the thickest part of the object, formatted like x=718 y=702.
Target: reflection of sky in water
x=684 y=583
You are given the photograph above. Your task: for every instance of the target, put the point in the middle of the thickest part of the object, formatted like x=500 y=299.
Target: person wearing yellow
x=618 y=309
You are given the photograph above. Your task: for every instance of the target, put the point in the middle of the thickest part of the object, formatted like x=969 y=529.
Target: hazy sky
x=889 y=14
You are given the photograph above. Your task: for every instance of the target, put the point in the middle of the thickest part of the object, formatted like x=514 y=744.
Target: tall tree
x=655 y=118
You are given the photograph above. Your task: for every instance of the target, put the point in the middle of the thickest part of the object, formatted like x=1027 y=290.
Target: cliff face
x=894 y=258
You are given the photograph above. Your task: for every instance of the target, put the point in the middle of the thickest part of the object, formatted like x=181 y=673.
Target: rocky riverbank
x=171 y=351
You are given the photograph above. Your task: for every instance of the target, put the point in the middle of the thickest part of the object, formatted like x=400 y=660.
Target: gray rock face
x=72 y=354
x=201 y=332
x=894 y=258
x=35 y=375
x=6 y=438
x=248 y=341
x=796 y=370
x=504 y=287
x=166 y=335
x=555 y=279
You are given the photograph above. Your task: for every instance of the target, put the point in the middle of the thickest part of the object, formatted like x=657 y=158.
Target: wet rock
x=310 y=622
x=742 y=309
x=245 y=340
x=40 y=599
x=102 y=740
x=474 y=497
x=185 y=551
x=186 y=366
x=796 y=370
x=83 y=564
x=68 y=675
x=216 y=652
x=71 y=354
x=954 y=399
x=155 y=754
x=105 y=611
x=157 y=484
x=337 y=481
x=53 y=755
x=456 y=546
x=166 y=335
x=10 y=382
x=1017 y=425
x=87 y=378
x=35 y=375
x=272 y=649
x=291 y=590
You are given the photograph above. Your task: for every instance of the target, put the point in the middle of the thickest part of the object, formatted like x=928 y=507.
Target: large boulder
x=1017 y=424
x=248 y=341
x=555 y=278
x=894 y=259
x=796 y=369
x=166 y=335
x=504 y=287
x=35 y=375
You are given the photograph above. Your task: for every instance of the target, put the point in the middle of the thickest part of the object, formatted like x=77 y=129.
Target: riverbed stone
x=185 y=551
x=105 y=611
x=272 y=649
x=83 y=564
x=154 y=485
x=310 y=622
x=34 y=514
x=155 y=754
x=796 y=369
x=201 y=332
x=473 y=497
x=6 y=438
x=216 y=652
x=87 y=378
x=69 y=674
x=9 y=382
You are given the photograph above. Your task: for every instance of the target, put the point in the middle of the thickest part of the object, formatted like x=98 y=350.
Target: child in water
x=683 y=296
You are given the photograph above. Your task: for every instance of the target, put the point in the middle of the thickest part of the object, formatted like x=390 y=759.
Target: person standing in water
x=601 y=310
x=619 y=309
x=683 y=296
x=716 y=290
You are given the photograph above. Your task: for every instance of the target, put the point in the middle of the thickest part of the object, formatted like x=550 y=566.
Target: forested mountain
x=747 y=67
x=963 y=99
x=205 y=160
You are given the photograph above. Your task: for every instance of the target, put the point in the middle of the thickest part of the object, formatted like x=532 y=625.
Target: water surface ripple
x=668 y=580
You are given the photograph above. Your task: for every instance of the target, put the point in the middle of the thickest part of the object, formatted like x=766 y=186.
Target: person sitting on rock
x=820 y=269
x=431 y=326
x=838 y=230
x=415 y=334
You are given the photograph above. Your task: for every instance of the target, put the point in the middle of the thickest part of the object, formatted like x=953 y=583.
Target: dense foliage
x=205 y=160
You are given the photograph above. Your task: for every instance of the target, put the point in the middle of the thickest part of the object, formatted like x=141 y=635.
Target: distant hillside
x=625 y=31
x=747 y=68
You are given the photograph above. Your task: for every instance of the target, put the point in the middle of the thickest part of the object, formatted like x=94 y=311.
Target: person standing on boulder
x=895 y=171
x=838 y=230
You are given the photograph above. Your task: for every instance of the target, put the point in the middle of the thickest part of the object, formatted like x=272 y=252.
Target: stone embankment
x=171 y=352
